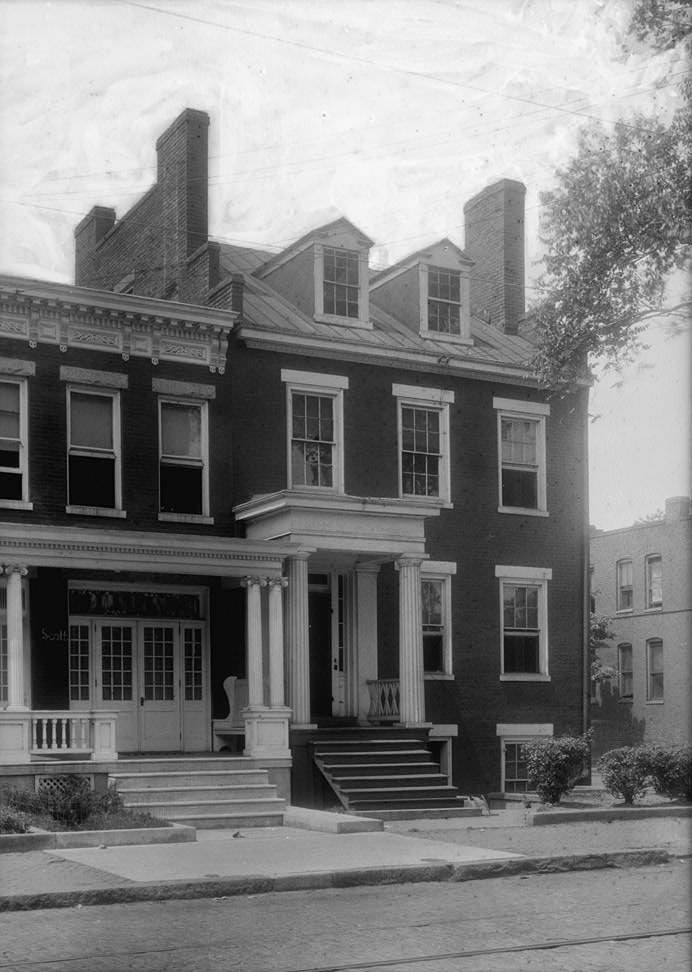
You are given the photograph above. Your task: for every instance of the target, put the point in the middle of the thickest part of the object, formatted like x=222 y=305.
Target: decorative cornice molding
x=74 y=317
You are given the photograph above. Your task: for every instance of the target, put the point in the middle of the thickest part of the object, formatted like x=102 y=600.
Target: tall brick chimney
x=87 y=234
x=494 y=239
x=182 y=178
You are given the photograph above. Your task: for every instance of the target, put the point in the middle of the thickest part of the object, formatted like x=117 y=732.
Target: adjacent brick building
x=283 y=481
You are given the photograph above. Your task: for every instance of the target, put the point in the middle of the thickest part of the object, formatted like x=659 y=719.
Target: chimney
x=494 y=240
x=182 y=153
x=677 y=507
x=87 y=235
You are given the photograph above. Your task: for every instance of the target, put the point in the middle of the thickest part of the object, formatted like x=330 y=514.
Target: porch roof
x=99 y=549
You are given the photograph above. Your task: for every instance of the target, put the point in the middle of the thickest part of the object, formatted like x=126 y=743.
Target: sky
x=390 y=112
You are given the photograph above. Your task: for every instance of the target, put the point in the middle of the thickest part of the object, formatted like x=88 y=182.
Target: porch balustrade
x=384 y=699
x=52 y=732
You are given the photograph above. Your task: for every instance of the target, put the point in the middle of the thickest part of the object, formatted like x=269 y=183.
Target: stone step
x=184 y=764
x=429 y=813
x=347 y=770
x=180 y=794
x=373 y=755
x=389 y=781
x=395 y=801
x=127 y=781
x=213 y=807
x=367 y=744
x=227 y=821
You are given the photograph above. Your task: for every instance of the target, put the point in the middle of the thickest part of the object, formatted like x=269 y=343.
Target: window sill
x=438 y=677
x=441 y=502
x=623 y=611
x=524 y=677
x=344 y=321
x=186 y=518
x=96 y=511
x=520 y=511
x=655 y=701
x=8 y=504
x=626 y=700
x=451 y=338
x=656 y=609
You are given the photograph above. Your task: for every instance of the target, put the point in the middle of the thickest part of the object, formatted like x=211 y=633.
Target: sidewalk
x=253 y=861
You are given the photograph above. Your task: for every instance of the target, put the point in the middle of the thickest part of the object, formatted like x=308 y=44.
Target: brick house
x=313 y=498
x=642 y=581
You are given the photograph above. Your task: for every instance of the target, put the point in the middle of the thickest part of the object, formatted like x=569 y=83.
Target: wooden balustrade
x=384 y=699
x=86 y=733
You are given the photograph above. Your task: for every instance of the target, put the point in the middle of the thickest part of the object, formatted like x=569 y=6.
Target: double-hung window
x=625 y=673
x=423 y=441
x=436 y=606
x=315 y=430
x=93 y=450
x=654 y=670
x=183 y=465
x=513 y=739
x=444 y=301
x=524 y=622
x=341 y=286
x=14 y=480
x=654 y=581
x=522 y=455
x=624 y=590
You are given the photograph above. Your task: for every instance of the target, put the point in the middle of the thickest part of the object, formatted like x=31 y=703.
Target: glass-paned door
x=159 y=700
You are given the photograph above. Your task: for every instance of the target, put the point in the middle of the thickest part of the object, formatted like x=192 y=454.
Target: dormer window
x=340 y=282
x=444 y=301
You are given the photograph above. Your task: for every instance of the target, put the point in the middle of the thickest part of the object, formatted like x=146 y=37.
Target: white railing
x=91 y=733
x=384 y=699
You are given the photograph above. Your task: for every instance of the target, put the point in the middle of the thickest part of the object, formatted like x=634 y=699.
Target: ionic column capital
x=408 y=560
x=15 y=569
x=273 y=582
x=252 y=581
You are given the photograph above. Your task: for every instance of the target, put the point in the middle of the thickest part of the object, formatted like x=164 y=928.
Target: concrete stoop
x=218 y=792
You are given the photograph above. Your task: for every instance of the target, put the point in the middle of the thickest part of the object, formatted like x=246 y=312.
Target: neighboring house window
x=524 y=622
x=423 y=424
x=624 y=585
x=183 y=457
x=654 y=670
x=513 y=739
x=315 y=430
x=625 y=679
x=654 y=581
x=444 y=301
x=93 y=449
x=522 y=455
x=14 y=486
x=436 y=597
x=340 y=283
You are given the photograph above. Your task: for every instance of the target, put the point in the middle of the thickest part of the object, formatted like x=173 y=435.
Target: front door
x=153 y=674
x=328 y=632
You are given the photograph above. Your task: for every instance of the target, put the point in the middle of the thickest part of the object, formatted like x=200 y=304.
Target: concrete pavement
x=252 y=861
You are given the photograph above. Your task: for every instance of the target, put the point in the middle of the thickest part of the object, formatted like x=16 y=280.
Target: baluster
x=64 y=725
x=54 y=730
x=34 y=733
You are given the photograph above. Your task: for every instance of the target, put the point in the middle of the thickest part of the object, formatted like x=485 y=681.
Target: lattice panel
x=58 y=785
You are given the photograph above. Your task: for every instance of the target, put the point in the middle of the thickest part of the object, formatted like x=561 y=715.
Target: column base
x=15 y=737
x=266 y=731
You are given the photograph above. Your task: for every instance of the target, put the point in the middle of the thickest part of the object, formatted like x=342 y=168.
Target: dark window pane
x=10 y=486
x=520 y=488
x=92 y=481
x=432 y=653
x=9 y=455
x=521 y=654
x=181 y=489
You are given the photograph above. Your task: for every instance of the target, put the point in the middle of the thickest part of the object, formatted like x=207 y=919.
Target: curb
x=361 y=877
x=544 y=817
x=64 y=839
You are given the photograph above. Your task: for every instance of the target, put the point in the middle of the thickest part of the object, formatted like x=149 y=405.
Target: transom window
x=183 y=458
x=624 y=585
x=340 y=282
x=93 y=449
x=315 y=429
x=521 y=447
x=654 y=670
x=13 y=445
x=444 y=301
x=524 y=605
x=654 y=581
x=625 y=674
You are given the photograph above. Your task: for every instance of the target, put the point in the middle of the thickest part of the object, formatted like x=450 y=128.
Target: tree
x=616 y=225
x=599 y=634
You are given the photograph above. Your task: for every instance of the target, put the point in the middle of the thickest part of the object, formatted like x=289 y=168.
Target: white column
x=411 y=686
x=253 y=635
x=15 y=638
x=297 y=639
x=365 y=638
x=276 y=641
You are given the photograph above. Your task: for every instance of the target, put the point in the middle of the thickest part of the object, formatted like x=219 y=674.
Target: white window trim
x=23 y=503
x=621 y=697
x=331 y=386
x=435 y=399
x=443 y=571
x=517 y=733
x=205 y=516
x=535 y=412
x=647 y=586
x=618 y=585
x=464 y=337
x=363 y=319
x=96 y=388
x=649 y=643
x=536 y=577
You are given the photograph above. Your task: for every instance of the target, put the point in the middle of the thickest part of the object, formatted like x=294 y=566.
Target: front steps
x=386 y=773
x=213 y=792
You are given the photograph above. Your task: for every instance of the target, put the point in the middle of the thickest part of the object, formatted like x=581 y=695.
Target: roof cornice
x=42 y=312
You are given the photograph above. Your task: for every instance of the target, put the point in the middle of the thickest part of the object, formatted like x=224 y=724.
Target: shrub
x=13 y=821
x=555 y=765
x=670 y=769
x=625 y=772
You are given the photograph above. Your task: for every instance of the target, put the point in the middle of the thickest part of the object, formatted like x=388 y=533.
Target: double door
x=152 y=673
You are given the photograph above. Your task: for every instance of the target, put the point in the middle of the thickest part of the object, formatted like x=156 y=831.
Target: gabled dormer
x=325 y=274
x=428 y=291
